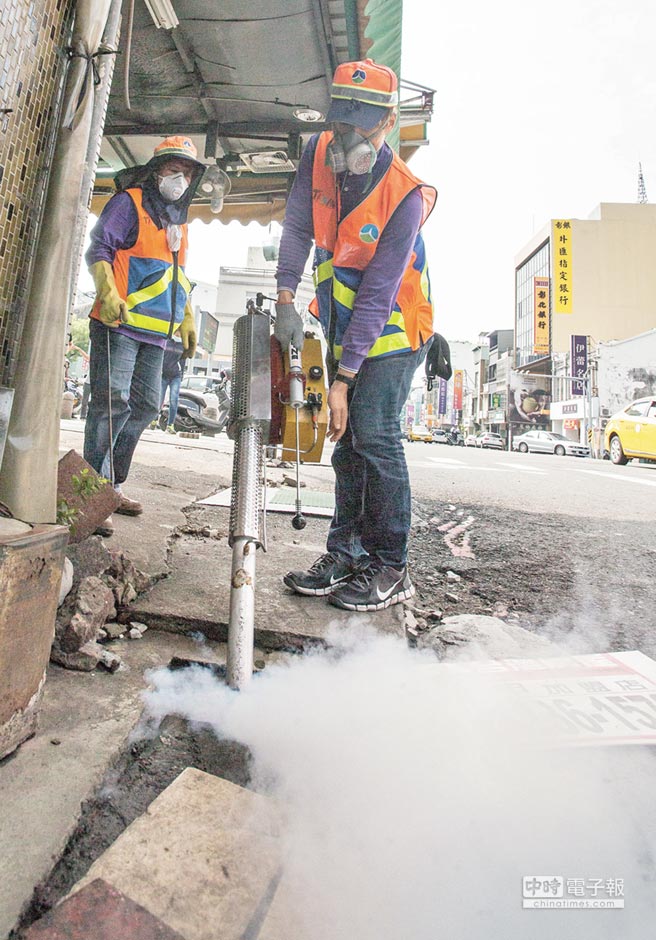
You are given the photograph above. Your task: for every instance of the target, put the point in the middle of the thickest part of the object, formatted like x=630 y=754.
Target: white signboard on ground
x=597 y=699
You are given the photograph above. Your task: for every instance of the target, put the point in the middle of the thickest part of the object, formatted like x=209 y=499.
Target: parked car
x=549 y=442
x=490 y=439
x=440 y=436
x=470 y=440
x=197 y=383
x=632 y=432
x=419 y=432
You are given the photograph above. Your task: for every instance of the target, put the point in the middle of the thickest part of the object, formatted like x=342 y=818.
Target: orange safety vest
x=343 y=251
x=144 y=276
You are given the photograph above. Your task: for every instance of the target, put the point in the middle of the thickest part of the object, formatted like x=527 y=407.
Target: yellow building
x=592 y=277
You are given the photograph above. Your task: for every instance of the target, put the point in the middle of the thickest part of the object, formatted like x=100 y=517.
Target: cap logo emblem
x=369 y=233
x=358 y=76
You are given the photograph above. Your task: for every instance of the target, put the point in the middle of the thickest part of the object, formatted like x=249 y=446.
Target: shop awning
x=248 y=82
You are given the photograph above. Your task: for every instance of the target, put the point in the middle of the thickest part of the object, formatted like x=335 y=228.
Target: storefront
x=574 y=417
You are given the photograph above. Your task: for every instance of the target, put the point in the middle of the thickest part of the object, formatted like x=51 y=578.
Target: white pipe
x=242 y=614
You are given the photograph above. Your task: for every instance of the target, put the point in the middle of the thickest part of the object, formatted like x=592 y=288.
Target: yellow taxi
x=419 y=432
x=632 y=432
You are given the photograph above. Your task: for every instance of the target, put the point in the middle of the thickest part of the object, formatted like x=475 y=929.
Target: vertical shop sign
x=541 y=315
x=441 y=401
x=457 y=390
x=561 y=243
x=579 y=357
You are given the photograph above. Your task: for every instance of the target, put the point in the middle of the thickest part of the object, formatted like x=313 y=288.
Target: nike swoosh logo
x=334 y=580
x=382 y=596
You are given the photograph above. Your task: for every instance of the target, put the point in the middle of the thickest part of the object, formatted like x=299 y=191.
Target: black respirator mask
x=353 y=152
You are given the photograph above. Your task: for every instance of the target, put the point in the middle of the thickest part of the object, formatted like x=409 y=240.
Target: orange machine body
x=312 y=416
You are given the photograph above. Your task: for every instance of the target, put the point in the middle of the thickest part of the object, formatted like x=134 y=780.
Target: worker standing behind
x=171 y=378
x=137 y=256
x=364 y=209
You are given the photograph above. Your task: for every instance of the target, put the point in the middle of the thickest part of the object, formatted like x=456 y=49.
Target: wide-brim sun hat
x=175 y=148
x=362 y=94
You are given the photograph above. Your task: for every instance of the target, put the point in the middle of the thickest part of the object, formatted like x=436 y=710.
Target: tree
x=79 y=332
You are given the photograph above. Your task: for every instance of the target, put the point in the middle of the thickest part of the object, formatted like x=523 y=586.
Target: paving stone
x=204 y=857
x=100 y=912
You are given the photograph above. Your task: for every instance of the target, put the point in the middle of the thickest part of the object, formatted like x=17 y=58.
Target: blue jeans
x=372 y=486
x=136 y=384
x=173 y=386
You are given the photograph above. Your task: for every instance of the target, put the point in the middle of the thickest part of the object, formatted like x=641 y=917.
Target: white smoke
x=417 y=799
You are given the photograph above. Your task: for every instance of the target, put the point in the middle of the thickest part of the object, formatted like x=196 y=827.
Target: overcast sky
x=542 y=110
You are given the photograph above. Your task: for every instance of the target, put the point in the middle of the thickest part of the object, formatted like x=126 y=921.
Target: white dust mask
x=172 y=187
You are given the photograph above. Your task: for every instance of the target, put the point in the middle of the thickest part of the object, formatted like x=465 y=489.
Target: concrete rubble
x=103 y=581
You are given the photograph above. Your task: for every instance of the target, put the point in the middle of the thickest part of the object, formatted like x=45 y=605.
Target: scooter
x=71 y=385
x=191 y=417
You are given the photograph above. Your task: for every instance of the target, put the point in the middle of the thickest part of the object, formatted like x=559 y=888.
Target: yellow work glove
x=187 y=331
x=113 y=309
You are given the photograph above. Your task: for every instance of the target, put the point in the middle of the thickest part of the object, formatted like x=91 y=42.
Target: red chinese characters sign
x=457 y=390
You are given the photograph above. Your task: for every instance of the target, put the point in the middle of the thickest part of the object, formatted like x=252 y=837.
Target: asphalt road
x=564 y=545
x=541 y=483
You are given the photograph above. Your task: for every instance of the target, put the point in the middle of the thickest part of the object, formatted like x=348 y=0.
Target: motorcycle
x=75 y=387
x=192 y=412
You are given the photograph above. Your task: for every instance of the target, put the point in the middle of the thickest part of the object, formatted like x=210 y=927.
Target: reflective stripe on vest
x=147 y=294
x=343 y=253
x=144 y=276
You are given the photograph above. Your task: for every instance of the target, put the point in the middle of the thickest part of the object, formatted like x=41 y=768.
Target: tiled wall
x=33 y=34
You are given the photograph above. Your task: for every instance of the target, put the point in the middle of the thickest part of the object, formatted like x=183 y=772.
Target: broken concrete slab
x=196 y=596
x=84 y=659
x=89 y=557
x=84 y=494
x=101 y=912
x=82 y=616
x=205 y=858
x=480 y=637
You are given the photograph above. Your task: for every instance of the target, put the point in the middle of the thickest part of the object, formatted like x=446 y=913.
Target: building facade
x=601 y=281
x=580 y=283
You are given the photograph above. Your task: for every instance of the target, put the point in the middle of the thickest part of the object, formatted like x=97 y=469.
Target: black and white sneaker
x=374 y=588
x=329 y=571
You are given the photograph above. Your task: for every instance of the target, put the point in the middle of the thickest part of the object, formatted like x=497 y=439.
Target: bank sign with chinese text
x=561 y=252
x=541 y=315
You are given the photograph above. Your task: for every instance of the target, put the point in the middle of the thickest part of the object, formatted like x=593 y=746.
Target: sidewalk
x=185 y=545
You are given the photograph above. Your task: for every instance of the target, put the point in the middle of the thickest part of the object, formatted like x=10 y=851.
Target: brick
x=101 y=912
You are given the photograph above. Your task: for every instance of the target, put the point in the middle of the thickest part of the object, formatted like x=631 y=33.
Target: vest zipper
x=174 y=294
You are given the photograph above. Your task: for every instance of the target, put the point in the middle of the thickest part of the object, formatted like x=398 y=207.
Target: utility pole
x=642 y=189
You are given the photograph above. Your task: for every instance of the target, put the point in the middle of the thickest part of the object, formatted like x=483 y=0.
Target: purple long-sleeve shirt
x=382 y=276
x=117 y=228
